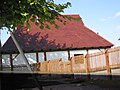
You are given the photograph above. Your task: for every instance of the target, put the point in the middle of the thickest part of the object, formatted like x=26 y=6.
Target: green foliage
x=14 y=12
x=71 y=18
x=41 y=27
x=56 y=26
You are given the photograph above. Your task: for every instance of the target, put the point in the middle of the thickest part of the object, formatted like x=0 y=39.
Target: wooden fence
x=107 y=61
x=84 y=63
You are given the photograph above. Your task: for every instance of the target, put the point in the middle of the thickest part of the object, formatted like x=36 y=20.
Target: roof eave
x=51 y=50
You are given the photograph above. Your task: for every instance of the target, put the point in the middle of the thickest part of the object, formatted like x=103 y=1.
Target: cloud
x=105 y=19
x=118 y=27
x=117 y=14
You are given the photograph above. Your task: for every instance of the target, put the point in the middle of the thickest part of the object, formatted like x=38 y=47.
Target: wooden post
x=107 y=64
x=37 y=57
x=1 y=62
x=11 y=62
x=71 y=65
x=37 y=60
x=68 y=54
x=45 y=57
x=0 y=67
x=87 y=65
x=70 y=61
x=0 y=57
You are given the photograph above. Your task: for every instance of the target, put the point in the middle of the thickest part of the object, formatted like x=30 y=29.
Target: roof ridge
x=71 y=14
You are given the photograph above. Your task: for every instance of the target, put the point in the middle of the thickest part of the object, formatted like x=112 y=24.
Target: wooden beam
x=37 y=57
x=107 y=64
x=92 y=48
x=11 y=62
x=68 y=54
x=87 y=64
x=45 y=57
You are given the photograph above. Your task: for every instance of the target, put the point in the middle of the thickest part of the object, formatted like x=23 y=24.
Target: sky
x=101 y=16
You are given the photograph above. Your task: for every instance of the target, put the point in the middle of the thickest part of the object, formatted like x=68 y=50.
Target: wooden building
x=71 y=35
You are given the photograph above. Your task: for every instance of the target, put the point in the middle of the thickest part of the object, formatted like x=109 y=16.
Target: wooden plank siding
x=97 y=62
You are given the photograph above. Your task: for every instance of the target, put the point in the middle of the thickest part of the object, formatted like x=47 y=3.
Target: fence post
x=11 y=62
x=71 y=64
x=48 y=66
x=61 y=66
x=107 y=64
x=87 y=65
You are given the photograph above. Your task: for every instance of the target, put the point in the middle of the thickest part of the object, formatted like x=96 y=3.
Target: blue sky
x=102 y=16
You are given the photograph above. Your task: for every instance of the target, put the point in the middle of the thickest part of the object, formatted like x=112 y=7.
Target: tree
x=19 y=12
x=14 y=12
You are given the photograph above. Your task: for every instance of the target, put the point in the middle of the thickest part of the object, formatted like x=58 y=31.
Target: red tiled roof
x=73 y=35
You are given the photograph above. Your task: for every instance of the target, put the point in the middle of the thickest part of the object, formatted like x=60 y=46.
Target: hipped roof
x=71 y=35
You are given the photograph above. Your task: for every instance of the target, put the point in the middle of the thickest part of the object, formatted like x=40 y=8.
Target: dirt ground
x=91 y=85
x=81 y=85
x=66 y=82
